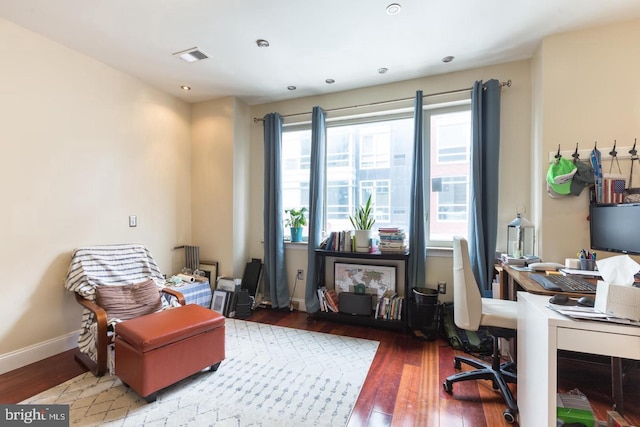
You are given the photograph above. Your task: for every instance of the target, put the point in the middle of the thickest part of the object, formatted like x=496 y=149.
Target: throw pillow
x=129 y=301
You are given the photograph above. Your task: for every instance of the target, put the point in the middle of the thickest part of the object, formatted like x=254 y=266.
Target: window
x=374 y=157
x=296 y=157
x=375 y=147
x=448 y=131
x=379 y=191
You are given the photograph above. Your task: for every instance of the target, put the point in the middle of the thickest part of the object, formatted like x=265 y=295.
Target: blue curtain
x=316 y=204
x=417 y=216
x=275 y=277
x=485 y=153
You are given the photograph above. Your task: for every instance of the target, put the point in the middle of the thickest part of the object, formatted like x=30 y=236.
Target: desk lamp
x=520 y=234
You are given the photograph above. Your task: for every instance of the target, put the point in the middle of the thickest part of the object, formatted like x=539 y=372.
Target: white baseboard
x=299 y=303
x=25 y=356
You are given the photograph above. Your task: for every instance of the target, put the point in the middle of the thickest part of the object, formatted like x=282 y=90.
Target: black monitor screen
x=615 y=228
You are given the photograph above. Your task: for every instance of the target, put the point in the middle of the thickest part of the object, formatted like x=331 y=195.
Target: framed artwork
x=219 y=301
x=377 y=279
x=210 y=270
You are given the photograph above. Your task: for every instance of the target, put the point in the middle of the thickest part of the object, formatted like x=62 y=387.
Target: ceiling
x=310 y=41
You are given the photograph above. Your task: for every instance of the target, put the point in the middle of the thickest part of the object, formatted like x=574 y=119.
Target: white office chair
x=471 y=312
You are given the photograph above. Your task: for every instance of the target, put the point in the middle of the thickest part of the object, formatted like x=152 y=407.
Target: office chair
x=471 y=312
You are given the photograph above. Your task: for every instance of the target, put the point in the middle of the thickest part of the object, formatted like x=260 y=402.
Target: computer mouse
x=586 y=301
x=559 y=299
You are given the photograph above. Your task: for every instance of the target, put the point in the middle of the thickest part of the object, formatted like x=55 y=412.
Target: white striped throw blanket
x=108 y=265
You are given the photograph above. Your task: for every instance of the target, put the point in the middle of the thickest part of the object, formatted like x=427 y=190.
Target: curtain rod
x=372 y=104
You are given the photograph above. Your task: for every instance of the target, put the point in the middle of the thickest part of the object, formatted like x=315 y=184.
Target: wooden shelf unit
x=376 y=258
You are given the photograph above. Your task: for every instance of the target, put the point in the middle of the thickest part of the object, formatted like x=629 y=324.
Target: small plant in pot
x=363 y=221
x=296 y=220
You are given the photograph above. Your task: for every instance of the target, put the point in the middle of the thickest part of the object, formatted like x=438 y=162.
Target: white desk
x=541 y=333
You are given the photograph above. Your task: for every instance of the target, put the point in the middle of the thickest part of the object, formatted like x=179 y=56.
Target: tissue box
x=618 y=301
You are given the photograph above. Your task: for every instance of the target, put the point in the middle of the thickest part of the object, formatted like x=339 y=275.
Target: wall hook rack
x=614 y=156
x=558 y=155
x=576 y=155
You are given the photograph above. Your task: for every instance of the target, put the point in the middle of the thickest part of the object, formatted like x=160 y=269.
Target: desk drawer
x=603 y=343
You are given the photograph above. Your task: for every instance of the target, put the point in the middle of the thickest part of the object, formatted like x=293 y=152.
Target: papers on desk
x=520 y=268
x=585 y=273
x=588 y=313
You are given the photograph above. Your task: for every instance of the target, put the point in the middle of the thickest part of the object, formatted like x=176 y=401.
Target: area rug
x=272 y=376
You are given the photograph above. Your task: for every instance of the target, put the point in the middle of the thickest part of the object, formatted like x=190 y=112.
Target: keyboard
x=557 y=283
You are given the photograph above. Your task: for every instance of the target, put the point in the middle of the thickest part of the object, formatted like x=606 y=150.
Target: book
x=321 y=300
x=331 y=298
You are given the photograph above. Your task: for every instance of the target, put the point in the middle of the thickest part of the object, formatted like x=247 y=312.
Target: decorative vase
x=296 y=234
x=363 y=240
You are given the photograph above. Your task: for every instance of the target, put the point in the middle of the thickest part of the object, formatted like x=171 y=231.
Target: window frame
x=428 y=111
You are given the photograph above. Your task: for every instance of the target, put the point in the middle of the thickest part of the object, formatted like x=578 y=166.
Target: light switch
x=133 y=221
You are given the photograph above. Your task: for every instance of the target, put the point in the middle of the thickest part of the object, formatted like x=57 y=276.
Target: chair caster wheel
x=509 y=416
x=457 y=365
x=448 y=387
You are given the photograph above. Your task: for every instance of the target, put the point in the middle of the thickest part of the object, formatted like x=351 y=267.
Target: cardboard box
x=616 y=420
x=618 y=301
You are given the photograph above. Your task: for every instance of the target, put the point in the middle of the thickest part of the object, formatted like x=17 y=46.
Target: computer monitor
x=615 y=228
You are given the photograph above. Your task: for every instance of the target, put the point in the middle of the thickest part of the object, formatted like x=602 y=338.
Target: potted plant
x=363 y=221
x=296 y=220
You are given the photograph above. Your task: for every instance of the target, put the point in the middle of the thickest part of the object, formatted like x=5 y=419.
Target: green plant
x=362 y=218
x=297 y=217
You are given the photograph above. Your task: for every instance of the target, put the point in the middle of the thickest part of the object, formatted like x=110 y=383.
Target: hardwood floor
x=403 y=388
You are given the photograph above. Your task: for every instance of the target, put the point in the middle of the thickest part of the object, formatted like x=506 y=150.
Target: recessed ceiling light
x=382 y=70
x=291 y=88
x=448 y=59
x=262 y=43
x=394 y=9
x=329 y=81
x=185 y=87
x=191 y=55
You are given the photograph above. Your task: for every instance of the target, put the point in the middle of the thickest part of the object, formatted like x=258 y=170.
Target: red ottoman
x=160 y=349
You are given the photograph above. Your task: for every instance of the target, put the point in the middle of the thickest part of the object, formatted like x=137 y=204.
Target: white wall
x=83 y=147
x=514 y=164
x=220 y=178
x=587 y=90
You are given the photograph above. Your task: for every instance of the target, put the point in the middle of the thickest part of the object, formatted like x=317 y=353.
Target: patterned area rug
x=272 y=376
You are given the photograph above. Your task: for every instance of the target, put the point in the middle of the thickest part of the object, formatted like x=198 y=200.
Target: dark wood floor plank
x=406 y=409
x=22 y=383
x=403 y=387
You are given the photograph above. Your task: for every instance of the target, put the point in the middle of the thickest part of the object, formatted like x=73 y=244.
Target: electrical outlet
x=300 y=275
x=133 y=221
x=442 y=287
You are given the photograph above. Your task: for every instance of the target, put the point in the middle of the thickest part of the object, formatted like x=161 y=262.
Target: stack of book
x=390 y=306
x=328 y=299
x=338 y=241
x=392 y=240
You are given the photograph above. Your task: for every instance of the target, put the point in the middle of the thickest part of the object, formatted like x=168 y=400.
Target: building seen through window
x=375 y=158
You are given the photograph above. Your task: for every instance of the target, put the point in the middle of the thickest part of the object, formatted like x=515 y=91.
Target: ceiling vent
x=191 y=55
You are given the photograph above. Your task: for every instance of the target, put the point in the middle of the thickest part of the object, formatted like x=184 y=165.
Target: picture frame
x=227 y=284
x=377 y=279
x=219 y=301
x=210 y=269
